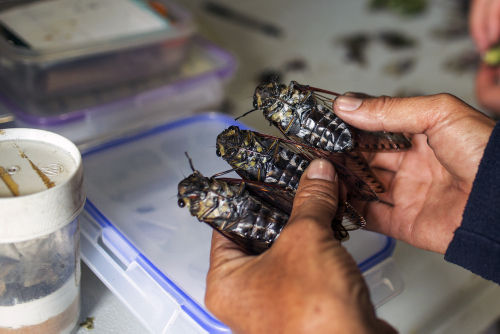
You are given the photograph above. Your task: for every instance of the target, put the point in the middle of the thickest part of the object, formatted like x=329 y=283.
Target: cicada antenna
x=225 y=172
x=190 y=162
x=248 y=112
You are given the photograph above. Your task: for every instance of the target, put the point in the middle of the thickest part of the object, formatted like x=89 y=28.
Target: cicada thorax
x=233 y=211
x=261 y=159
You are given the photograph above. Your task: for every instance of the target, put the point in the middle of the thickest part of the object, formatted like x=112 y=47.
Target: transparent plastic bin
x=31 y=72
x=39 y=287
x=153 y=255
x=197 y=84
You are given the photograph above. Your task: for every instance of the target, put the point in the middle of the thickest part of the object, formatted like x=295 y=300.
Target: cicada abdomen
x=263 y=158
x=229 y=208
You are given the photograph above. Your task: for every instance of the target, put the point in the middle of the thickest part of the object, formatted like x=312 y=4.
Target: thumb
x=317 y=196
x=455 y=131
x=412 y=114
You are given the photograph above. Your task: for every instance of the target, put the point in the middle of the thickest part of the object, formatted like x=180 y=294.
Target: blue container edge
x=192 y=308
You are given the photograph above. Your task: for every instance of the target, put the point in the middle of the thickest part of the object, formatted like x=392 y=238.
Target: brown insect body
x=300 y=113
x=276 y=161
x=303 y=115
x=228 y=207
x=260 y=157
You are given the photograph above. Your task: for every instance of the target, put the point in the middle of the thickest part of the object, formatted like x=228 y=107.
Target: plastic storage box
x=58 y=47
x=154 y=255
x=196 y=84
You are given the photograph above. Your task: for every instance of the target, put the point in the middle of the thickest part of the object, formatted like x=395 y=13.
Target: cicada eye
x=218 y=153
x=181 y=203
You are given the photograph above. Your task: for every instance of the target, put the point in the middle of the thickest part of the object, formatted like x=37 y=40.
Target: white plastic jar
x=41 y=195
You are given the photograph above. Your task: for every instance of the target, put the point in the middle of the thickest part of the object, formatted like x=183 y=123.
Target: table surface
x=438 y=296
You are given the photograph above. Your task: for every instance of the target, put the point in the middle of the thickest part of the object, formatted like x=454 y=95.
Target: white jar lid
x=41 y=183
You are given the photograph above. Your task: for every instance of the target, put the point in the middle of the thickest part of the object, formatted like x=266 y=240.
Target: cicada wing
x=347 y=219
x=352 y=168
x=352 y=220
x=274 y=195
x=380 y=141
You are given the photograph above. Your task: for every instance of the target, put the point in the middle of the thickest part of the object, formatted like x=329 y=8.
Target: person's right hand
x=428 y=186
x=484 y=23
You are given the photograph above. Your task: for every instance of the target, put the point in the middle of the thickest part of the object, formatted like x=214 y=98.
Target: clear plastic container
x=41 y=196
x=40 y=282
x=154 y=255
x=196 y=84
x=86 y=61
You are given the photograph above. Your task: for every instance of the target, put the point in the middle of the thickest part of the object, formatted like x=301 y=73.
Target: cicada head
x=192 y=191
x=228 y=143
x=266 y=94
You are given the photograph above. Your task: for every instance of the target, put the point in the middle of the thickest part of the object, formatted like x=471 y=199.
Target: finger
x=478 y=23
x=317 y=196
x=377 y=215
x=396 y=114
x=487 y=87
x=358 y=95
x=444 y=119
x=387 y=161
x=493 y=23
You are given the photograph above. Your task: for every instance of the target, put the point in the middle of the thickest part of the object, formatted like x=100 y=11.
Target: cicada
x=231 y=207
x=260 y=157
x=302 y=114
x=263 y=158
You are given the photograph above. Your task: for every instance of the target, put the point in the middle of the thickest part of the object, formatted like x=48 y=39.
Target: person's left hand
x=306 y=282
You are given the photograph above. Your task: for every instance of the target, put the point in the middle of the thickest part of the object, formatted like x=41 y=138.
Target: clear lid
x=132 y=186
x=204 y=60
x=53 y=30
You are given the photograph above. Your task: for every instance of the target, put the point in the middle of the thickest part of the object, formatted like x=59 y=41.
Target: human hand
x=484 y=23
x=305 y=283
x=428 y=186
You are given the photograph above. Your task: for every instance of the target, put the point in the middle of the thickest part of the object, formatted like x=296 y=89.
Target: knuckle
x=383 y=106
x=444 y=108
x=445 y=100
x=320 y=193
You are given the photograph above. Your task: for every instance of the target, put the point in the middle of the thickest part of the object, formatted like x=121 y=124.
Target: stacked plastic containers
x=141 y=64
x=41 y=195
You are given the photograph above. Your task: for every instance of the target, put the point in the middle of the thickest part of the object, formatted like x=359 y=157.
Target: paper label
x=64 y=23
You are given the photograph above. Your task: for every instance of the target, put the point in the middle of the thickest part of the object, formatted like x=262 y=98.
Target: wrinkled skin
x=307 y=282
x=428 y=186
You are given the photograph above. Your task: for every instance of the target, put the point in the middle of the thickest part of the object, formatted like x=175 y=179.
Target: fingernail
x=348 y=103
x=321 y=169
